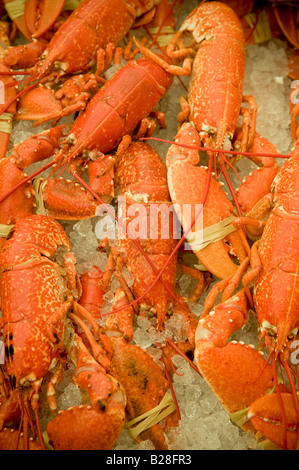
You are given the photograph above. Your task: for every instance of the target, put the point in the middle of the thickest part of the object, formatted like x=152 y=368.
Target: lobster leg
x=170 y=68
x=203 y=281
x=57 y=377
x=226 y=287
x=56 y=318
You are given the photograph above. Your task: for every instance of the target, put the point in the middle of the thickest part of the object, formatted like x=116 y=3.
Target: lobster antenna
x=39 y=432
x=23 y=427
x=232 y=190
x=26 y=427
x=295 y=397
x=19 y=82
x=282 y=408
x=171 y=388
x=24 y=181
x=21 y=424
x=232 y=168
x=211 y=149
x=81 y=181
x=181 y=353
x=264 y=367
x=168 y=358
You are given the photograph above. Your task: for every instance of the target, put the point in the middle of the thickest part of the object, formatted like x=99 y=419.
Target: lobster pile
x=174 y=222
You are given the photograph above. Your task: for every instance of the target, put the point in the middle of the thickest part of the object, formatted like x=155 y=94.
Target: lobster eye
x=270 y=333
x=290 y=336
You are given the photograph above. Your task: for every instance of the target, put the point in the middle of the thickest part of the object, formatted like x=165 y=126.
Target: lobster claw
x=266 y=416
x=40 y=15
x=36 y=103
x=86 y=428
x=236 y=372
x=10 y=411
x=90 y=427
x=285 y=16
x=19 y=21
x=10 y=439
x=66 y=200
